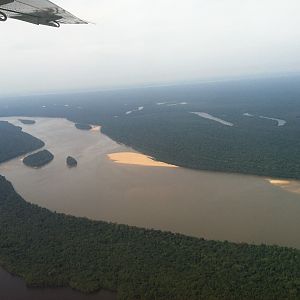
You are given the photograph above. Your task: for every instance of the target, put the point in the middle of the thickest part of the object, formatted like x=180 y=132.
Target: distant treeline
x=14 y=142
x=49 y=249
x=251 y=146
x=173 y=135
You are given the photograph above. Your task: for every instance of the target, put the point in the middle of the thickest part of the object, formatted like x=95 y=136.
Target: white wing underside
x=38 y=12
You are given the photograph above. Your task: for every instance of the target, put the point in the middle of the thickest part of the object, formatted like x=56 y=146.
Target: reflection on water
x=138 y=159
x=13 y=288
x=204 y=204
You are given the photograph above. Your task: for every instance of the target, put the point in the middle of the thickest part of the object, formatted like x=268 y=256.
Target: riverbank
x=136 y=262
x=216 y=206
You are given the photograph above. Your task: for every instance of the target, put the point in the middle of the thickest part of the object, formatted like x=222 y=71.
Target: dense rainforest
x=51 y=249
x=252 y=146
x=166 y=130
x=38 y=159
x=14 y=142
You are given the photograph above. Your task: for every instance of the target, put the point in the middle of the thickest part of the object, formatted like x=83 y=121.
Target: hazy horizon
x=137 y=43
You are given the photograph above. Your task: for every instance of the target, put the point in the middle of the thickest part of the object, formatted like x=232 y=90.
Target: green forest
x=48 y=249
x=14 y=142
x=170 y=133
x=39 y=159
x=251 y=146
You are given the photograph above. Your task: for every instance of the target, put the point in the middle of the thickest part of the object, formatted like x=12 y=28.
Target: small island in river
x=38 y=159
x=83 y=126
x=27 y=122
x=71 y=162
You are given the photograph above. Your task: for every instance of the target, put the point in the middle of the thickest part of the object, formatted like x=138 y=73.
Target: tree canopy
x=49 y=249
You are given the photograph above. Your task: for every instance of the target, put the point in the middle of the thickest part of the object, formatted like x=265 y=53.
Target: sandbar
x=132 y=158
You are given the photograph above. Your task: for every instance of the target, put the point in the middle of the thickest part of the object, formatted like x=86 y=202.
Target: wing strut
x=54 y=24
x=3 y=16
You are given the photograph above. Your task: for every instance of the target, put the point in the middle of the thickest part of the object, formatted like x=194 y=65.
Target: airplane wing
x=39 y=12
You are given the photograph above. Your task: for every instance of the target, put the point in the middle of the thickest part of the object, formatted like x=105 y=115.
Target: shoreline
x=152 y=197
x=99 y=128
x=137 y=239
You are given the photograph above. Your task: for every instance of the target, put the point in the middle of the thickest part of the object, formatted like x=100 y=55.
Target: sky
x=142 y=42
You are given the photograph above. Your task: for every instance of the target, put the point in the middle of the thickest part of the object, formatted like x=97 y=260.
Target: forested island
x=83 y=126
x=27 y=122
x=14 y=142
x=39 y=159
x=48 y=249
x=71 y=162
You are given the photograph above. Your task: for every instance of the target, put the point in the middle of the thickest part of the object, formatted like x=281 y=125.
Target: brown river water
x=114 y=183
x=106 y=185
